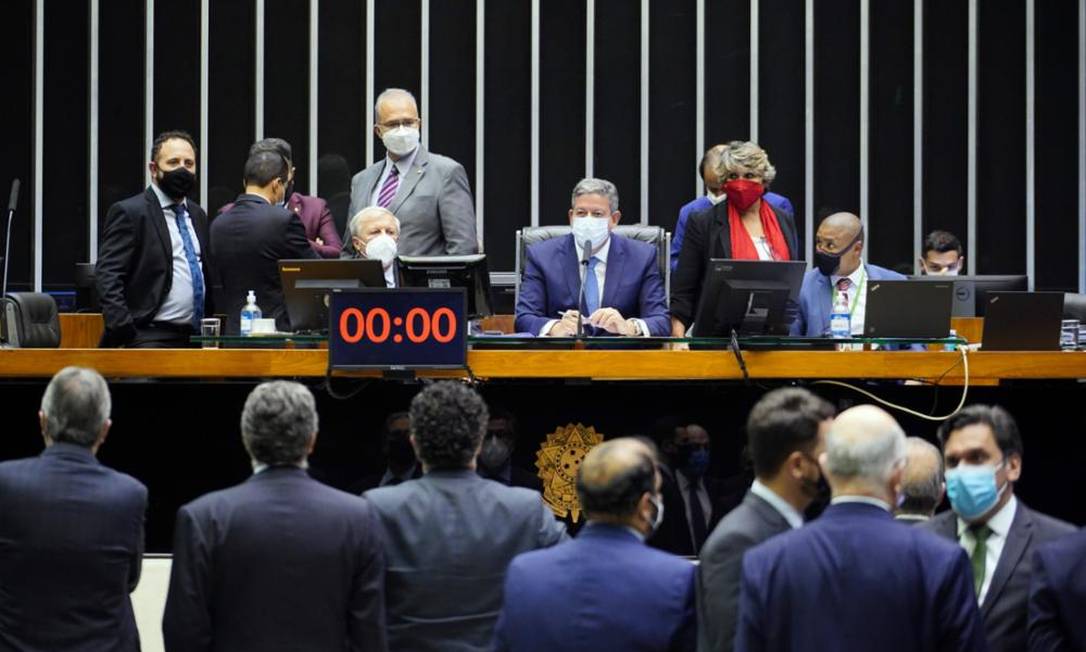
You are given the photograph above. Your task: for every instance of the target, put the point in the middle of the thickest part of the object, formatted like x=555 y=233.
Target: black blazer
x=1005 y=609
x=749 y=524
x=134 y=272
x=708 y=236
x=71 y=545
x=247 y=243
x=673 y=535
x=279 y=562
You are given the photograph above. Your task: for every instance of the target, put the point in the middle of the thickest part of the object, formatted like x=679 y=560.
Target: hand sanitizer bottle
x=250 y=312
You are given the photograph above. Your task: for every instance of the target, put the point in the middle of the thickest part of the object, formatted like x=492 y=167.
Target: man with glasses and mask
x=942 y=255
x=839 y=271
x=605 y=590
x=496 y=456
x=623 y=293
x=153 y=272
x=982 y=451
x=429 y=193
x=786 y=433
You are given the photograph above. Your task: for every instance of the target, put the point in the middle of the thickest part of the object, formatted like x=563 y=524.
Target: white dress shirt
x=1000 y=525
x=403 y=165
x=794 y=518
x=761 y=245
x=601 y=275
x=703 y=498
x=177 y=307
x=859 y=285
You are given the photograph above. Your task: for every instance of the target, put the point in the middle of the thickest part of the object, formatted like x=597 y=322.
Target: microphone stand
x=12 y=201
x=586 y=255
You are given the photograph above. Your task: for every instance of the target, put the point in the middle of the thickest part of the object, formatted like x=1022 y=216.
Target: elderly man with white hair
x=375 y=234
x=856 y=579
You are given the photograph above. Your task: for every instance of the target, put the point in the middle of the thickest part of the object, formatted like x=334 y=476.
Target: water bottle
x=250 y=312
x=840 y=320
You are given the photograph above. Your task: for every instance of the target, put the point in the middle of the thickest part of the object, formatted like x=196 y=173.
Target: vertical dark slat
x=1001 y=137
x=727 y=70
x=177 y=72
x=452 y=81
x=341 y=92
x=508 y=128
x=64 y=169
x=837 y=107
x=231 y=86
x=397 y=44
x=17 y=76
x=781 y=96
x=1057 y=110
x=561 y=106
x=946 y=77
x=617 y=90
x=286 y=80
x=890 y=180
x=672 y=64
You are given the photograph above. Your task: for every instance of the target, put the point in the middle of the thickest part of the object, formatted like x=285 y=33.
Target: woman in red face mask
x=743 y=227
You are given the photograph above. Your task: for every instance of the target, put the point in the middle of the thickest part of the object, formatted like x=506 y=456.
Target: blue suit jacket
x=605 y=590
x=552 y=282
x=71 y=545
x=1057 y=593
x=855 y=579
x=701 y=203
x=816 y=298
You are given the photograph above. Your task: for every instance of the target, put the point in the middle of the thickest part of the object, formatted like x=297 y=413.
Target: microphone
x=13 y=200
x=586 y=256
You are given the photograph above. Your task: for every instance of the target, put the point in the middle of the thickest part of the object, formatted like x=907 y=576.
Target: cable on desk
x=965 y=392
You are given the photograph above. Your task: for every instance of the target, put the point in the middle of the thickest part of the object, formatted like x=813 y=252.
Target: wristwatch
x=636 y=327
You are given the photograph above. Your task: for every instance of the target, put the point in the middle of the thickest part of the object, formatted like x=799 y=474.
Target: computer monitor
x=971 y=292
x=749 y=296
x=469 y=272
x=308 y=282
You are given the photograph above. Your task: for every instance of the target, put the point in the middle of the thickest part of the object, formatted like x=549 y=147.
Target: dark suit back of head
x=264 y=166
x=279 y=422
x=613 y=477
x=76 y=405
x=448 y=422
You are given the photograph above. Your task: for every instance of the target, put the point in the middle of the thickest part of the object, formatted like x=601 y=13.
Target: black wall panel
x=177 y=73
x=561 y=105
x=286 y=79
x=837 y=108
x=618 y=101
x=17 y=75
x=397 y=50
x=452 y=82
x=672 y=140
x=231 y=92
x=727 y=71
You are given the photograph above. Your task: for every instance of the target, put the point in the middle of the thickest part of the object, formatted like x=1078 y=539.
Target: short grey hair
x=865 y=455
x=76 y=405
x=278 y=422
x=922 y=491
x=591 y=186
x=368 y=213
x=745 y=154
x=392 y=93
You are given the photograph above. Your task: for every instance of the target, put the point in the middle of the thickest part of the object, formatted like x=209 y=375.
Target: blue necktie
x=591 y=288
x=180 y=214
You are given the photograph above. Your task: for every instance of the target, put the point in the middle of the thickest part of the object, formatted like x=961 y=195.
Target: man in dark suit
x=400 y=462
x=623 y=291
x=922 y=487
x=855 y=579
x=316 y=217
x=694 y=500
x=496 y=456
x=982 y=451
x=71 y=530
x=281 y=561
x=152 y=271
x=785 y=435
x=1057 y=595
x=249 y=240
x=428 y=192
x=450 y=535
x=553 y=597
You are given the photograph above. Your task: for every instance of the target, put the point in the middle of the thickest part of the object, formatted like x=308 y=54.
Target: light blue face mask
x=594 y=229
x=972 y=489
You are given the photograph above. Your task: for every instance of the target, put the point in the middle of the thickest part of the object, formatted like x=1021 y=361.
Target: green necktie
x=980 y=555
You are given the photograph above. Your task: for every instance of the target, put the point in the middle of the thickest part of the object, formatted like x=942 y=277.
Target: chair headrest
x=30 y=320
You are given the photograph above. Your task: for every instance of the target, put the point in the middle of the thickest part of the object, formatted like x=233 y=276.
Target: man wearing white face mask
x=623 y=290
x=374 y=235
x=429 y=193
x=982 y=450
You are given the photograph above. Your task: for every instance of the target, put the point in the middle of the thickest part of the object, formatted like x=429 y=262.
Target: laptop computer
x=906 y=309
x=308 y=282
x=1022 y=321
x=971 y=292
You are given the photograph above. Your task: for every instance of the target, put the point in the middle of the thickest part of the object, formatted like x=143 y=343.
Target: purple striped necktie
x=388 y=190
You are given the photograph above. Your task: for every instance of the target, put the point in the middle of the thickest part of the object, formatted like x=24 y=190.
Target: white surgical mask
x=658 y=503
x=382 y=248
x=401 y=141
x=593 y=229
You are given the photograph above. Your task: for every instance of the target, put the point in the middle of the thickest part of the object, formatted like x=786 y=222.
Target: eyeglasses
x=410 y=122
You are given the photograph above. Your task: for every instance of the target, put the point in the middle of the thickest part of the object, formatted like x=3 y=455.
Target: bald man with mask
x=838 y=269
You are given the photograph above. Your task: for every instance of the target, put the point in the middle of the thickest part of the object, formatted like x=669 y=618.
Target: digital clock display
x=401 y=328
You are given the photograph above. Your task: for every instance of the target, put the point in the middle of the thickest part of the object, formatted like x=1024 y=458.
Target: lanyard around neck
x=856 y=298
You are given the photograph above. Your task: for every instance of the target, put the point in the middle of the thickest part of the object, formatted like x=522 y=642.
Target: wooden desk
x=984 y=367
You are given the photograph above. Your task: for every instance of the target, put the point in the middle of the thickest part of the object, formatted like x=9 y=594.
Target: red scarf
x=743 y=245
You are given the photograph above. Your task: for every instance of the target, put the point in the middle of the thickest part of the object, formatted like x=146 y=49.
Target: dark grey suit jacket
x=449 y=538
x=433 y=204
x=1005 y=609
x=749 y=524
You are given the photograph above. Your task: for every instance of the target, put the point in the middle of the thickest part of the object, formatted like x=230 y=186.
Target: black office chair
x=653 y=235
x=29 y=320
x=1074 y=306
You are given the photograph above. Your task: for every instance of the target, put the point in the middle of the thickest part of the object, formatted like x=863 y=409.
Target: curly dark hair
x=448 y=421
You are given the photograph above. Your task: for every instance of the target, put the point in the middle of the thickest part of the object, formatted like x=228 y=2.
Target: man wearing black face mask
x=692 y=498
x=839 y=272
x=496 y=457
x=152 y=272
x=400 y=456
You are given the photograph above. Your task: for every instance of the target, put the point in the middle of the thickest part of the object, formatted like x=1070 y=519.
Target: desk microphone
x=586 y=255
x=13 y=200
